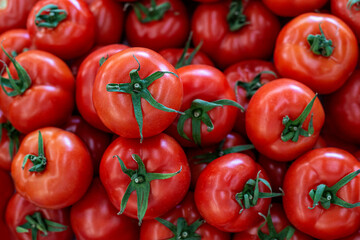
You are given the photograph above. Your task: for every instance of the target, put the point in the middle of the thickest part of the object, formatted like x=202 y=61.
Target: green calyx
x=351 y=3
x=137 y=88
x=153 y=13
x=50 y=16
x=37 y=223
x=19 y=86
x=235 y=18
x=182 y=230
x=285 y=234
x=293 y=128
x=249 y=196
x=319 y=45
x=325 y=196
x=13 y=136
x=103 y=59
x=38 y=161
x=254 y=85
x=219 y=152
x=187 y=61
x=198 y=112
x=140 y=182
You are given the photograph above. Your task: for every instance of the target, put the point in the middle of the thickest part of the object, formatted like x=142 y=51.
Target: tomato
x=224 y=184
x=7 y=190
x=250 y=32
x=278 y=118
x=150 y=75
x=164 y=26
x=160 y=154
x=14 y=42
x=95 y=218
x=184 y=217
x=46 y=91
x=254 y=72
x=19 y=211
x=276 y=170
x=85 y=81
x=96 y=141
x=293 y=8
x=13 y=13
x=9 y=143
x=355 y=236
x=173 y=55
x=52 y=168
x=321 y=48
x=204 y=89
x=68 y=34
x=303 y=181
x=109 y=17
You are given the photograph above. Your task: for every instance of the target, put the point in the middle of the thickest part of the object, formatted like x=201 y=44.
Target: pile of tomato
x=170 y=119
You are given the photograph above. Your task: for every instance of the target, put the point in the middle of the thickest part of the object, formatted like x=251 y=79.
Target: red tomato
x=160 y=154
x=7 y=190
x=96 y=141
x=95 y=218
x=218 y=187
x=19 y=208
x=249 y=71
x=274 y=103
x=48 y=99
x=172 y=55
x=332 y=60
x=14 y=42
x=166 y=90
x=85 y=81
x=227 y=43
x=109 y=17
x=13 y=13
x=207 y=84
x=158 y=31
x=154 y=230
x=326 y=166
x=276 y=170
x=59 y=175
x=68 y=35
x=292 y=8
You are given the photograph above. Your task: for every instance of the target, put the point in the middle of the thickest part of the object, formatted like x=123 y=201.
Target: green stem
x=13 y=136
x=235 y=18
x=183 y=61
x=50 y=16
x=351 y=3
x=319 y=45
x=153 y=13
x=38 y=161
x=254 y=85
x=182 y=230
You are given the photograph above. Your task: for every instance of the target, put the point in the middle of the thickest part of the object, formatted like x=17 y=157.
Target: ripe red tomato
x=321 y=48
x=275 y=122
x=46 y=92
x=249 y=33
x=311 y=173
x=7 y=190
x=158 y=29
x=95 y=218
x=20 y=211
x=160 y=155
x=182 y=217
x=68 y=34
x=58 y=175
x=292 y=8
x=14 y=42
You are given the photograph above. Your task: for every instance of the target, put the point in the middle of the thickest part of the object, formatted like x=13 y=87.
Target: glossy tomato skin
x=14 y=40
x=322 y=166
x=96 y=140
x=322 y=74
x=276 y=171
x=7 y=190
x=172 y=55
x=85 y=83
x=246 y=71
x=13 y=14
x=18 y=208
x=109 y=17
x=255 y=40
x=169 y=32
x=95 y=218
x=154 y=230
x=49 y=100
x=60 y=184
x=166 y=90
x=267 y=108
x=221 y=180
x=160 y=154
x=209 y=84
x=292 y=8
x=73 y=37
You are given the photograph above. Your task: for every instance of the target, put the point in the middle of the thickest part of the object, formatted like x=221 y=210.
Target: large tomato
x=292 y=8
x=319 y=50
x=52 y=168
x=236 y=30
x=278 y=118
x=316 y=191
